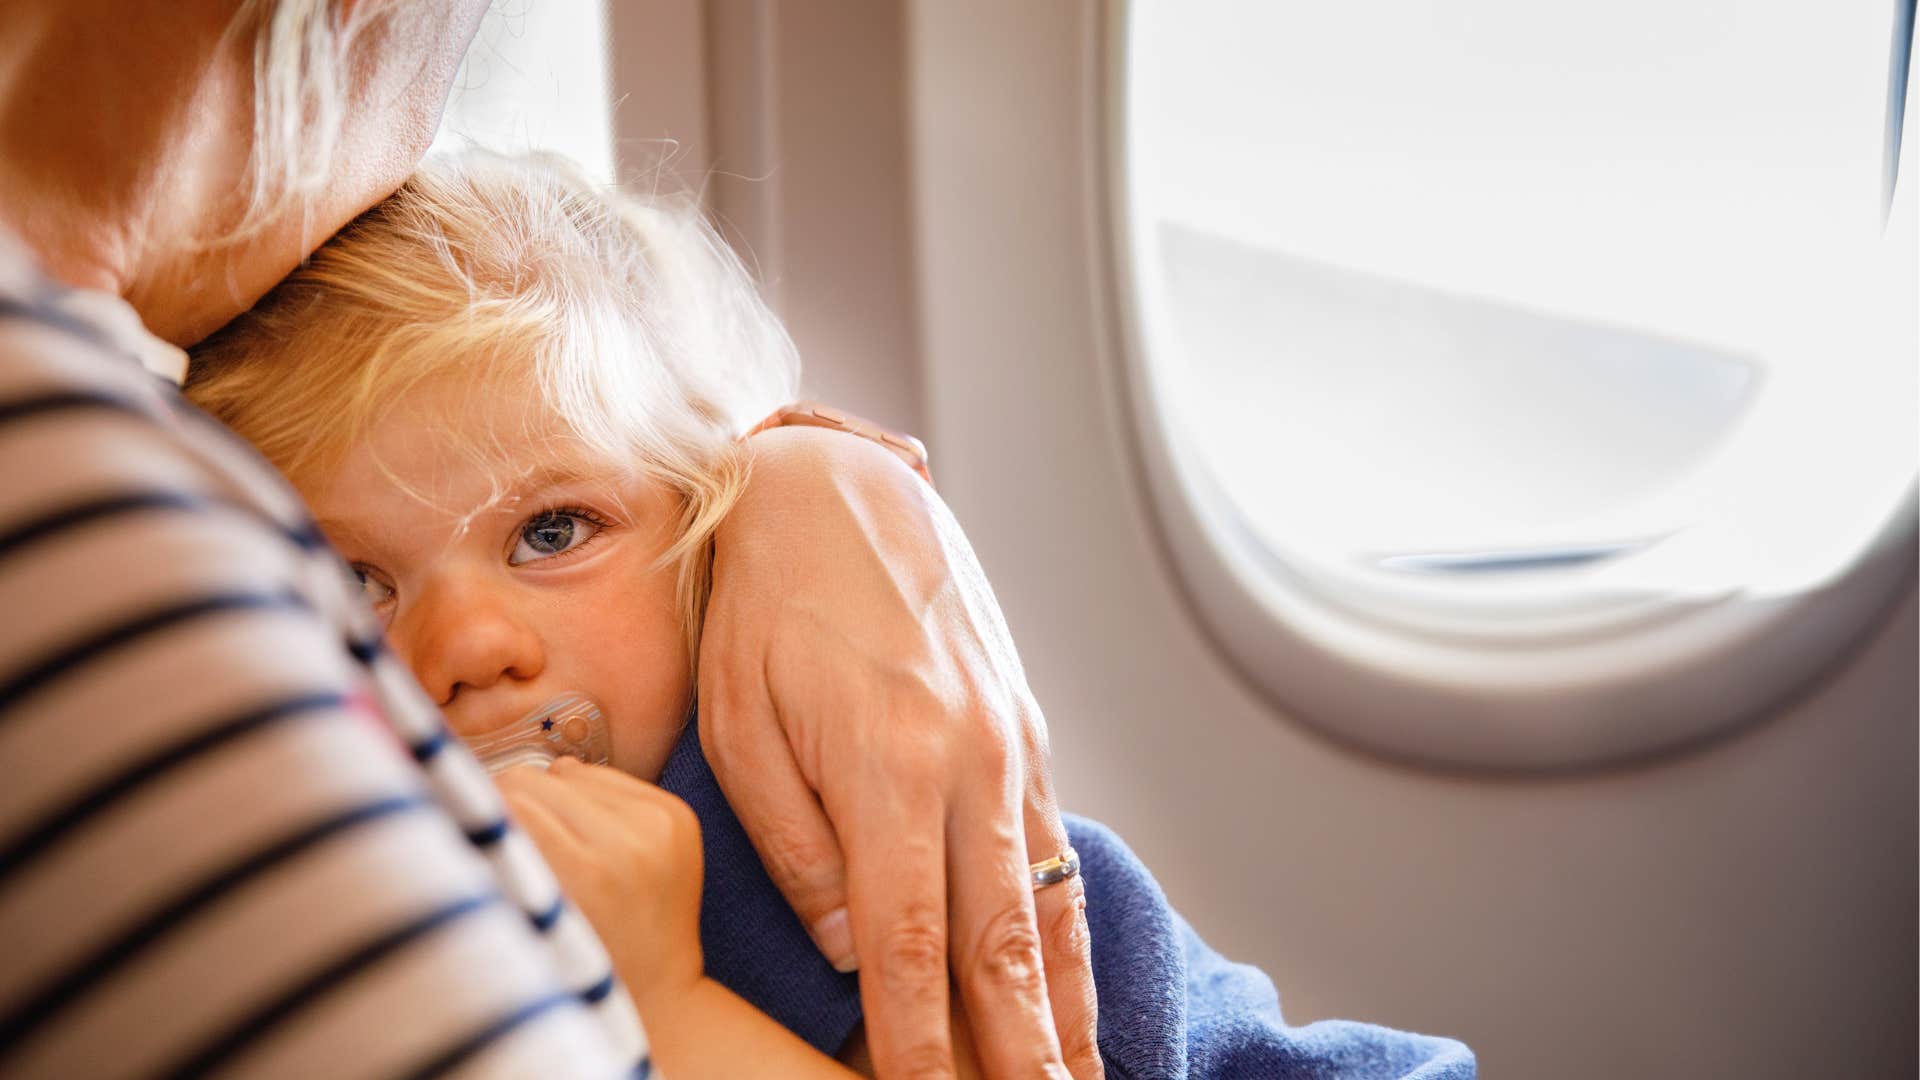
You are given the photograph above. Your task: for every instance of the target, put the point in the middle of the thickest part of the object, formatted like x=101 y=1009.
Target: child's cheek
x=641 y=659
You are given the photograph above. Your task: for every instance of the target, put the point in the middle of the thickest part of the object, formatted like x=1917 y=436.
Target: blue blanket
x=1169 y=1005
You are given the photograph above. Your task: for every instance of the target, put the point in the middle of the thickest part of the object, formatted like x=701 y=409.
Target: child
x=516 y=405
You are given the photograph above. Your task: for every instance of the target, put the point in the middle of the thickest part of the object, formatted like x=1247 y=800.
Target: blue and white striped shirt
x=235 y=837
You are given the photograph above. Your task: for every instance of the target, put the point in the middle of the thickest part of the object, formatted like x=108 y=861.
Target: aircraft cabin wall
x=922 y=186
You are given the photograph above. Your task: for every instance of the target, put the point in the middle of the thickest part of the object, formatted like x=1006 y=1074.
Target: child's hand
x=628 y=854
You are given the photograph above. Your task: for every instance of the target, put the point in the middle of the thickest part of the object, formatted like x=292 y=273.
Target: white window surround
x=1704 y=603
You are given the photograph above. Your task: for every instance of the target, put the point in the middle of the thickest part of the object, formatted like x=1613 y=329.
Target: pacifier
x=570 y=725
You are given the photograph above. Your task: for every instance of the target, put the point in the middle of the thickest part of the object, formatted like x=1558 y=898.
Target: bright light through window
x=1505 y=287
x=535 y=78
x=1521 y=384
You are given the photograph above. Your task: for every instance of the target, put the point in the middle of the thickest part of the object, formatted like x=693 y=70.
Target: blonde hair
x=627 y=322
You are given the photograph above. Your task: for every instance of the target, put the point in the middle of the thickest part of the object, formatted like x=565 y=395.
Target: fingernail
x=833 y=936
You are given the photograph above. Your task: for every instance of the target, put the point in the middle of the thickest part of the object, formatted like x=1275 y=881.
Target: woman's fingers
x=996 y=944
x=751 y=758
x=1066 y=948
x=897 y=890
x=1061 y=911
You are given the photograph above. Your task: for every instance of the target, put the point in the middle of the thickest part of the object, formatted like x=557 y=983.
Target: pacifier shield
x=570 y=725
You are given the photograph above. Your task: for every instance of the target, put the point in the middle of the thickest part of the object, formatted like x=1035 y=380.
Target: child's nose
x=464 y=636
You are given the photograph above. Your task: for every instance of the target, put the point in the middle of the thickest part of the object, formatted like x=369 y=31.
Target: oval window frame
x=1682 y=671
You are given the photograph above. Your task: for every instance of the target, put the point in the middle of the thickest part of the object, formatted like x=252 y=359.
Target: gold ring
x=1061 y=867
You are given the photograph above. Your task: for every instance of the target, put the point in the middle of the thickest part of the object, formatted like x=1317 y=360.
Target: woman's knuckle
x=983 y=750
x=981 y=741
x=1009 y=953
x=1081 y=1049
x=924 y=1060
x=913 y=956
x=1067 y=927
x=927 y=729
x=791 y=850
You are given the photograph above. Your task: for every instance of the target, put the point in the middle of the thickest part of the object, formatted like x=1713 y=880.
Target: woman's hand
x=865 y=712
x=628 y=854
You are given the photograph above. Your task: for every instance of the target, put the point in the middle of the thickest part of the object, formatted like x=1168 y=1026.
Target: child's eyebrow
x=509 y=499
x=341 y=533
x=547 y=476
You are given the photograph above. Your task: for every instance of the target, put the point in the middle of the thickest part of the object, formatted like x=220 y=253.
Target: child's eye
x=377 y=592
x=554 y=532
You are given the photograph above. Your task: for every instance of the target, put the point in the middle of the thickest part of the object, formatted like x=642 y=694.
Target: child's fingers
x=583 y=817
x=555 y=839
x=637 y=805
x=608 y=786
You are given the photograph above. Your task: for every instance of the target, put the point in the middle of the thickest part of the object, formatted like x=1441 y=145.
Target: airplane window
x=535 y=78
x=1503 y=347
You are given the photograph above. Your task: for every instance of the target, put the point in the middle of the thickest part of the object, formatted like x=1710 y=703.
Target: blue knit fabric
x=753 y=942
x=1169 y=1005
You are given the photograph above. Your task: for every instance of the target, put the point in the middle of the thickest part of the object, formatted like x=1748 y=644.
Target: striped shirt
x=235 y=837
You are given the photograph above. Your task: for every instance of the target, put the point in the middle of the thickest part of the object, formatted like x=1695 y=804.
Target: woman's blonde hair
x=628 y=323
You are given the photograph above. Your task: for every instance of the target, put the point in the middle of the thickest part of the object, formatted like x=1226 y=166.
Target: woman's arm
x=865 y=712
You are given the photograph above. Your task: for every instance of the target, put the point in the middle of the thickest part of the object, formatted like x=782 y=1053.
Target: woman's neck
x=117 y=123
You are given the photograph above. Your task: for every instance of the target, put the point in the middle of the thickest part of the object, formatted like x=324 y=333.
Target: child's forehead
x=455 y=423
x=443 y=450
x=464 y=479
x=483 y=403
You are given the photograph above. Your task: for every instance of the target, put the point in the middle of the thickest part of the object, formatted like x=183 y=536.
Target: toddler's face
x=550 y=589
